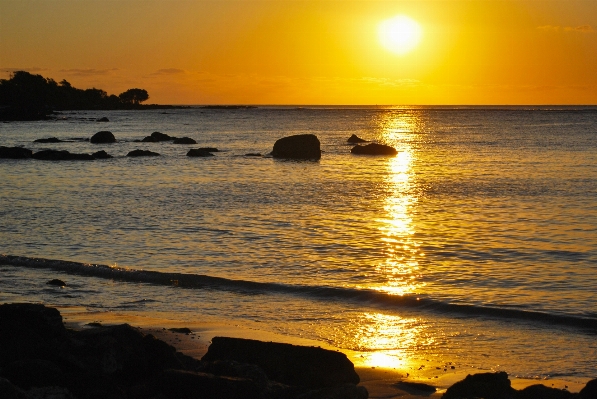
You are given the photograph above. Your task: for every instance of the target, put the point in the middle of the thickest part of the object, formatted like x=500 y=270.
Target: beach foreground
x=194 y=342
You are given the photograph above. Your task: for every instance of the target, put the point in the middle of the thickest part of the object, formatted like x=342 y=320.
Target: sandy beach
x=381 y=383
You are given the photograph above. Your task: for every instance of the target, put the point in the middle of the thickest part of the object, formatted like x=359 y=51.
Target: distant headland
x=32 y=97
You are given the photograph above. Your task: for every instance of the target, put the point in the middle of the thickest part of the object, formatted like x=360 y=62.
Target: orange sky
x=309 y=52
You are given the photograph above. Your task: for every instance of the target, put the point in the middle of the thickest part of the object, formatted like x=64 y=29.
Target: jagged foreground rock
x=40 y=358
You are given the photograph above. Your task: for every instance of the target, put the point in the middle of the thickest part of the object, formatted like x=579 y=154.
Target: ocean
x=475 y=246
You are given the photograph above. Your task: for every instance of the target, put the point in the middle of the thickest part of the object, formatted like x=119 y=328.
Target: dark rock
x=253 y=154
x=15 y=152
x=289 y=364
x=149 y=139
x=29 y=331
x=101 y=155
x=142 y=153
x=57 y=282
x=374 y=149
x=27 y=373
x=543 y=392
x=119 y=362
x=190 y=385
x=184 y=140
x=355 y=139
x=302 y=146
x=162 y=137
x=125 y=351
x=9 y=391
x=104 y=119
x=198 y=152
x=209 y=149
x=589 y=391
x=57 y=155
x=48 y=140
x=483 y=385
x=102 y=137
x=235 y=369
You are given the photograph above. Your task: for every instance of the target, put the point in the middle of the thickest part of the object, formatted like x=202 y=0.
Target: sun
x=400 y=34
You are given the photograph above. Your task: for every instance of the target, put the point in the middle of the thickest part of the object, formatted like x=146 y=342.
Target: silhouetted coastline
x=28 y=97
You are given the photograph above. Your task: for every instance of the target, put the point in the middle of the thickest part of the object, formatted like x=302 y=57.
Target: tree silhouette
x=133 y=96
x=31 y=97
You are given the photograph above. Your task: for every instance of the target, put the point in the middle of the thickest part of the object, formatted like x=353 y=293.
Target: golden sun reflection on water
x=390 y=341
x=401 y=266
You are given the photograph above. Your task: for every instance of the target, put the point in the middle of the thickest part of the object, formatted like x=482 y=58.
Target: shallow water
x=477 y=243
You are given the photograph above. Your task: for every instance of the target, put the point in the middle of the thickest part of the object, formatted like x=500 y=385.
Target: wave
x=364 y=296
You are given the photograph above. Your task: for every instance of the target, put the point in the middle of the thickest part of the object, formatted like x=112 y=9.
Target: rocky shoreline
x=41 y=358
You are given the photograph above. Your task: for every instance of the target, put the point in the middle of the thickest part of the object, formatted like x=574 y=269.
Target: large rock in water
x=15 y=152
x=374 y=149
x=289 y=364
x=301 y=146
x=102 y=137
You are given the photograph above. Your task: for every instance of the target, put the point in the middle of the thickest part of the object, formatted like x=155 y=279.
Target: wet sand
x=382 y=383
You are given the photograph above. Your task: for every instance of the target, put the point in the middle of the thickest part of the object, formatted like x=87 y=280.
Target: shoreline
x=386 y=383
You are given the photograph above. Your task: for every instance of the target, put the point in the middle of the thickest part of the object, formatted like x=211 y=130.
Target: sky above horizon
x=309 y=52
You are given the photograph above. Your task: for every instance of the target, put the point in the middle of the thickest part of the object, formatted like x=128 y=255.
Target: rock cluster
x=40 y=358
x=50 y=155
x=497 y=386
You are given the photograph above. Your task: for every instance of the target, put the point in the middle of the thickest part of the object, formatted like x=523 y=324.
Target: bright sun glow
x=400 y=34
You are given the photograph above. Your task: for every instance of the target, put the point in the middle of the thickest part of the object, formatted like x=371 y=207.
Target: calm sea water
x=476 y=244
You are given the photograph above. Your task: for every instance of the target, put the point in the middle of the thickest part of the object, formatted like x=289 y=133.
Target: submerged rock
x=48 y=140
x=184 y=140
x=15 y=152
x=142 y=153
x=198 y=152
x=208 y=149
x=101 y=155
x=301 y=146
x=102 y=137
x=374 y=149
x=61 y=155
x=57 y=282
x=355 y=139
x=103 y=119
